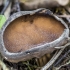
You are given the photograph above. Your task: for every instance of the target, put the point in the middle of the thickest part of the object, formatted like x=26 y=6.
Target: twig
x=5 y=6
x=62 y=65
x=3 y=66
x=50 y=62
x=63 y=16
x=54 y=58
x=62 y=58
x=16 y=5
x=8 y=10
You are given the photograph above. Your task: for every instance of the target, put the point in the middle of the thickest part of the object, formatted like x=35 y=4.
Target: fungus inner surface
x=31 y=30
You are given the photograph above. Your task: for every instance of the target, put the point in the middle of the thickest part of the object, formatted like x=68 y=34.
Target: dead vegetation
x=58 y=60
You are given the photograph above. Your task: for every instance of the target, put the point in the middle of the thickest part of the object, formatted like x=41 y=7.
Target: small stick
x=54 y=58
x=63 y=16
x=58 y=62
x=50 y=62
x=5 y=6
x=3 y=66
x=17 y=5
x=63 y=65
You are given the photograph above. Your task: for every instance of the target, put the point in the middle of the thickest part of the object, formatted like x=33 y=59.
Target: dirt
x=29 y=31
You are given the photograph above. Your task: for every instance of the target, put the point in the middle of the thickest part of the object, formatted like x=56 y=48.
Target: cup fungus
x=30 y=34
x=31 y=30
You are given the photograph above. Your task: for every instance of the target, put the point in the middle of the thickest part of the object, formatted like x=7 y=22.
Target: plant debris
x=58 y=60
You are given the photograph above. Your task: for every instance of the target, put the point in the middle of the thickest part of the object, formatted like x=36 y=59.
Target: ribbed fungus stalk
x=31 y=30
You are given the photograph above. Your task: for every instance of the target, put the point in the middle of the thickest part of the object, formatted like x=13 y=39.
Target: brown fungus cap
x=31 y=30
